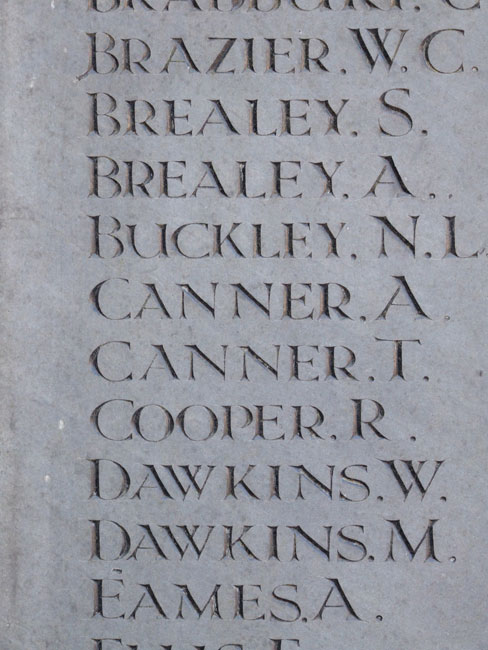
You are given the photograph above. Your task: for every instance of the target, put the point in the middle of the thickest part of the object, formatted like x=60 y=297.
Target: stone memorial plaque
x=244 y=305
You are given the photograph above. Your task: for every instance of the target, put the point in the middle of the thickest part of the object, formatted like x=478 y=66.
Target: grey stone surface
x=302 y=520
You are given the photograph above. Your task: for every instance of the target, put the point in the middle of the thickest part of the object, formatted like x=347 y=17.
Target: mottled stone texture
x=243 y=254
